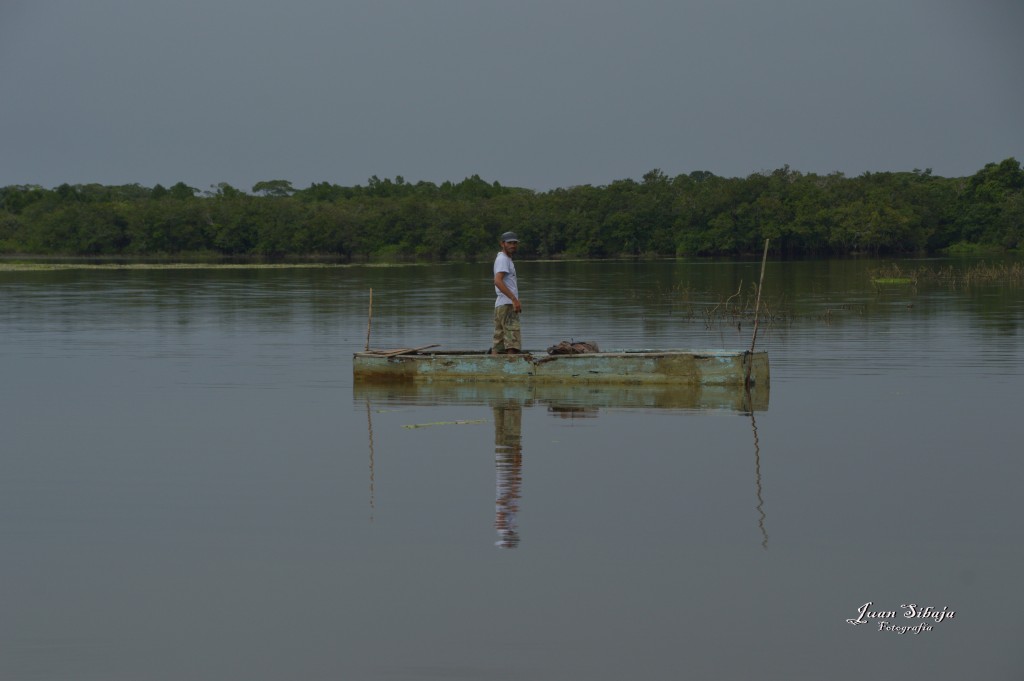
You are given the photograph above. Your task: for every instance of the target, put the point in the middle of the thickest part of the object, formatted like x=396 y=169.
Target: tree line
x=695 y=214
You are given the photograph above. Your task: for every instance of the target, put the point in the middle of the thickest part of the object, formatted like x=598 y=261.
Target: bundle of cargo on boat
x=570 y=347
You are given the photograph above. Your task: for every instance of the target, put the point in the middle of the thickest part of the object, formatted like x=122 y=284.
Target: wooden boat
x=644 y=367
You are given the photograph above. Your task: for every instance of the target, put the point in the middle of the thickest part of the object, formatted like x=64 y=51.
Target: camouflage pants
x=506 y=329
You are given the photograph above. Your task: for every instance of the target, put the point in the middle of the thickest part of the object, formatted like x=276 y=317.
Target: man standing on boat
x=507 y=307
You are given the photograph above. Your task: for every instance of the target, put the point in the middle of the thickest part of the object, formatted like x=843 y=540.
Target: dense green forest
x=699 y=214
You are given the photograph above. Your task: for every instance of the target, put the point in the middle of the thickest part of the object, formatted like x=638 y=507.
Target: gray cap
x=509 y=236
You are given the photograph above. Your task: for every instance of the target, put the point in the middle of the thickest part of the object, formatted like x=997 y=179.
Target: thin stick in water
x=757 y=310
x=369 y=322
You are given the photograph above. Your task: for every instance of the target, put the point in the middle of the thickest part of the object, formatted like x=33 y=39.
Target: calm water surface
x=192 y=488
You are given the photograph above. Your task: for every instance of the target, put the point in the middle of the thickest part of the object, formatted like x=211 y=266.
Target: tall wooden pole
x=757 y=309
x=369 y=322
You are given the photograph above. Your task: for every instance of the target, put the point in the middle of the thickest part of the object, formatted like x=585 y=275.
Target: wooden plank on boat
x=403 y=351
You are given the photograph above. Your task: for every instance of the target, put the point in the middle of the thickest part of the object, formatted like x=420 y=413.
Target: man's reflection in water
x=508 y=464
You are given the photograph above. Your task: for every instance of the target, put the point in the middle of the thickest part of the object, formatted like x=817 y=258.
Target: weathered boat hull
x=646 y=367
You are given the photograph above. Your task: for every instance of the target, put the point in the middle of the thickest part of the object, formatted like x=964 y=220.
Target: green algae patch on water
x=55 y=267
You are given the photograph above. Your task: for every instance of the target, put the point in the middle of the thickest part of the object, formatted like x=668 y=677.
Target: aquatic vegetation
x=740 y=307
x=23 y=266
x=949 y=275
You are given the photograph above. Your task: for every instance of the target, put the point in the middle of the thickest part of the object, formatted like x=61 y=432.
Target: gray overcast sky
x=532 y=93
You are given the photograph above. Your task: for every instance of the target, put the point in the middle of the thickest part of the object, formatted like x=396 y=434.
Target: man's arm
x=499 y=281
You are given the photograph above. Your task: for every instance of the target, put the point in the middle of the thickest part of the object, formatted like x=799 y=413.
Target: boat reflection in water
x=567 y=396
x=569 y=401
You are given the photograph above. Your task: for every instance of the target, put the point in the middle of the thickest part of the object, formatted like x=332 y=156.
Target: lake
x=192 y=488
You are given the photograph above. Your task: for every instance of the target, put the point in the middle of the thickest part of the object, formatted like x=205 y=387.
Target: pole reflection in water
x=508 y=466
x=757 y=475
x=369 y=426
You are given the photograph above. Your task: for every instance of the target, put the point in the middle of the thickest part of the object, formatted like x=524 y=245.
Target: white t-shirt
x=503 y=263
